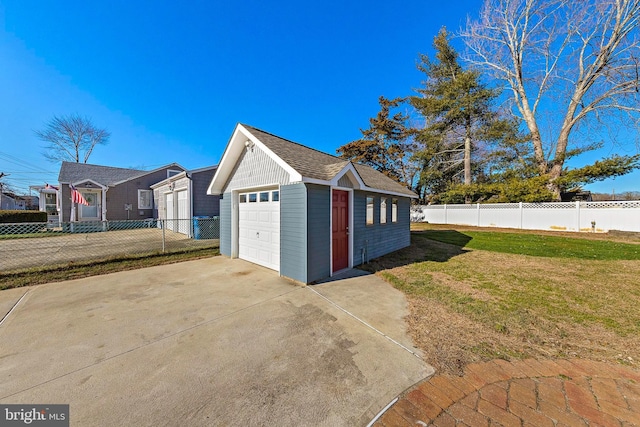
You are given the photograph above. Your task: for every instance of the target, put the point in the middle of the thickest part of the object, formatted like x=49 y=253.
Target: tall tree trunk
x=467 y=155
x=467 y=158
x=558 y=161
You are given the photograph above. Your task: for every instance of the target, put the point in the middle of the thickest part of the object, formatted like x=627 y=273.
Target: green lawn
x=536 y=245
x=482 y=294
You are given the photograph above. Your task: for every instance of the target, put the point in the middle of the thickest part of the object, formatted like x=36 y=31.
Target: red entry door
x=340 y=230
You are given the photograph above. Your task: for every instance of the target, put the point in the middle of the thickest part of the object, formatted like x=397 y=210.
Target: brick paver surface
x=523 y=393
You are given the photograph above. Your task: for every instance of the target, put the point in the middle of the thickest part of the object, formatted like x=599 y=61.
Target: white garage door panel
x=183 y=212
x=259 y=233
x=170 y=214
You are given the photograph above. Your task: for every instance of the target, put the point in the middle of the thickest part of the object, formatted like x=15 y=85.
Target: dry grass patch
x=78 y=270
x=472 y=305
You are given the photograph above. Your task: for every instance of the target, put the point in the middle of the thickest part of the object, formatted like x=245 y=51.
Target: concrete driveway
x=207 y=342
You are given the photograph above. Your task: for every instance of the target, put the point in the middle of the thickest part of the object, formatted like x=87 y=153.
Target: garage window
x=243 y=198
x=264 y=197
x=253 y=197
x=394 y=210
x=369 y=210
x=275 y=196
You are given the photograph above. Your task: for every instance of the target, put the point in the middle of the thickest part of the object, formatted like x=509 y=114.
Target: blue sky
x=170 y=80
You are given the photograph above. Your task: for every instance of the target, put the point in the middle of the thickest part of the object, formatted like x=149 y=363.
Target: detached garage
x=183 y=196
x=304 y=213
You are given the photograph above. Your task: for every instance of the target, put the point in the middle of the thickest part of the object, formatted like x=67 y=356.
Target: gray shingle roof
x=315 y=164
x=105 y=175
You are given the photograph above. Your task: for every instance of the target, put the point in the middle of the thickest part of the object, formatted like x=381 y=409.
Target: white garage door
x=170 y=213
x=259 y=228
x=184 y=220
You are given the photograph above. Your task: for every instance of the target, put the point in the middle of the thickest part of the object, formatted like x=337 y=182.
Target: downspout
x=59 y=204
x=105 y=225
x=366 y=251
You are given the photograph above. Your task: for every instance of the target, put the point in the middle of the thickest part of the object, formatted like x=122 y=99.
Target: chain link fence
x=29 y=245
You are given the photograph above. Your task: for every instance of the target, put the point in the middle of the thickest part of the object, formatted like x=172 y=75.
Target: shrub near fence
x=7 y=216
x=559 y=216
x=38 y=244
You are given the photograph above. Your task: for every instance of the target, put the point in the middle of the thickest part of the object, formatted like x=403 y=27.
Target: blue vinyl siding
x=225 y=224
x=293 y=232
x=204 y=204
x=318 y=232
x=379 y=239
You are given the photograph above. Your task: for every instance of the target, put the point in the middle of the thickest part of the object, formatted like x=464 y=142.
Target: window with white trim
x=51 y=203
x=383 y=210
x=394 y=210
x=172 y=172
x=369 y=210
x=145 y=199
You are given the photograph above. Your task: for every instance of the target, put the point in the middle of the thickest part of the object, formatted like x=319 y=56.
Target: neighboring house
x=576 y=196
x=9 y=201
x=48 y=202
x=184 y=196
x=31 y=203
x=111 y=193
x=304 y=213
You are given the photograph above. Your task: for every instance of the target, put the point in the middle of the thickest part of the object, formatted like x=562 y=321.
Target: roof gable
x=303 y=163
x=71 y=172
x=183 y=174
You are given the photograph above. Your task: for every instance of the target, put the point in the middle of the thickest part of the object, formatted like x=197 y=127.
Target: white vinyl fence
x=560 y=216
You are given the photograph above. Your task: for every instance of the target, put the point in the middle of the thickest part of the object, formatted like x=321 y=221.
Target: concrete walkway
x=523 y=393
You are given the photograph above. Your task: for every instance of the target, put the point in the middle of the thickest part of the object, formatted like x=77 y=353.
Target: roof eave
x=147 y=173
x=363 y=188
x=237 y=143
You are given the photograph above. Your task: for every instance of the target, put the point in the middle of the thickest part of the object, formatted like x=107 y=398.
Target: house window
x=264 y=197
x=253 y=197
x=394 y=210
x=275 y=196
x=145 y=199
x=383 y=210
x=369 y=210
x=50 y=203
x=243 y=198
x=172 y=172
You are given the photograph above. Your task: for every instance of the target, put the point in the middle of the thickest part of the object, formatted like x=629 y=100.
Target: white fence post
x=478 y=211
x=445 y=213
x=578 y=216
x=521 y=213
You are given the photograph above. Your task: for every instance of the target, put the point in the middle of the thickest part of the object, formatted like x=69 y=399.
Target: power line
x=20 y=162
x=24 y=172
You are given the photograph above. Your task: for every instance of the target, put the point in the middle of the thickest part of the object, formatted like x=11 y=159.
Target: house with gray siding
x=302 y=212
x=184 y=196
x=111 y=193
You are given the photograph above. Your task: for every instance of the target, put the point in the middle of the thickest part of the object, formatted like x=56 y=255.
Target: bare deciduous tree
x=577 y=61
x=71 y=138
